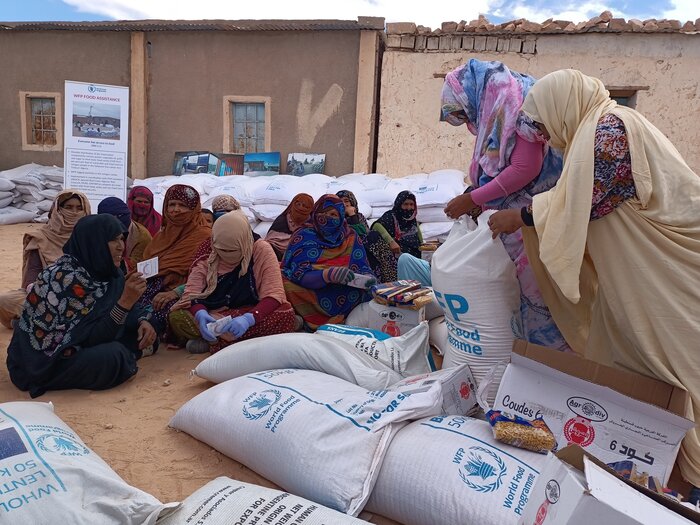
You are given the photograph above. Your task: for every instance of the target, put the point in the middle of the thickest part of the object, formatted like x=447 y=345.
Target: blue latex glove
x=202 y=317
x=238 y=325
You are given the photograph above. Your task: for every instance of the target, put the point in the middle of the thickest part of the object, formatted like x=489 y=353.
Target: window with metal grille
x=248 y=127
x=43 y=121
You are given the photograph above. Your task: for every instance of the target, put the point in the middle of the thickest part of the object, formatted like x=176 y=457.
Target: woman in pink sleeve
x=511 y=163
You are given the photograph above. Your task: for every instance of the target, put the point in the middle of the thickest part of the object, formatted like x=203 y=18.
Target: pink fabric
x=525 y=164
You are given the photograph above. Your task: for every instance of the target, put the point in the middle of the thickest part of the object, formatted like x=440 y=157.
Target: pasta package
x=533 y=435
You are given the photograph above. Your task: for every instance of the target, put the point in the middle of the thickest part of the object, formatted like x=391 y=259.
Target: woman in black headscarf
x=399 y=226
x=79 y=327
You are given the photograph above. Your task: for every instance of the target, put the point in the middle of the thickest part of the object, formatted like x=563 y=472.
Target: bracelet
x=526 y=215
x=118 y=314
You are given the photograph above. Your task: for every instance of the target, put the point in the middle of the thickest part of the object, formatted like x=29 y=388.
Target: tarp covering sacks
x=450 y=470
x=312 y=434
x=225 y=501
x=48 y=476
x=475 y=282
x=297 y=350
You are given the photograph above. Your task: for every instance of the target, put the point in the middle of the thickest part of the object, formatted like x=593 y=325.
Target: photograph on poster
x=305 y=163
x=194 y=162
x=100 y=121
x=262 y=163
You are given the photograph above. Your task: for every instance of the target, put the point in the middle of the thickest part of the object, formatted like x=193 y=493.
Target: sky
x=423 y=12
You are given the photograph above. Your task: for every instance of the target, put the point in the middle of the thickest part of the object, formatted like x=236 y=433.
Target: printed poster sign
x=96 y=140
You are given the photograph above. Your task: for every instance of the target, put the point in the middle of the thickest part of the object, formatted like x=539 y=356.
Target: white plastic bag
x=11 y=215
x=474 y=281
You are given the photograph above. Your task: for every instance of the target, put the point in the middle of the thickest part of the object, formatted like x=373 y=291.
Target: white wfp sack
x=450 y=470
x=11 y=215
x=434 y=230
x=268 y=212
x=408 y=354
x=297 y=350
x=474 y=281
x=438 y=334
x=225 y=501
x=280 y=189
x=310 y=433
x=262 y=228
x=48 y=475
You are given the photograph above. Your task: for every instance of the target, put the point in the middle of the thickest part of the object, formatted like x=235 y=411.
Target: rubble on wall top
x=603 y=23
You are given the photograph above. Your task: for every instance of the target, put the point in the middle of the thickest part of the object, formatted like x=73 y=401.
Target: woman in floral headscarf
x=511 y=162
x=175 y=245
x=292 y=218
x=320 y=261
x=222 y=204
x=140 y=203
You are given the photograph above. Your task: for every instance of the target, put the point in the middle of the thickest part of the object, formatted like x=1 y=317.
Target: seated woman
x=137 y=236
x=43 y=246
x=175 y=245
x=223 y=204
x=291 y=219
x=140 y=203
x=399 y=227
x=80 y=327
x=208 y=216
x=238 y=275
x=380 y=257
x=320 y=261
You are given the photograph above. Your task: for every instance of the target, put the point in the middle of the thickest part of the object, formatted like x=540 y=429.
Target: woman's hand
x=163 y=298
x=505 y=221
x=240 y=325
x=203 y=318
x=146 y=335
x=460 y=205
x=134 y=286
x=395 y=248
x=338 y=275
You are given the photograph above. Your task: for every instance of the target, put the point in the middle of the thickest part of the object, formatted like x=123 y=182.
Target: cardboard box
x=393 y=320
x=577 y=489
x=613 y=414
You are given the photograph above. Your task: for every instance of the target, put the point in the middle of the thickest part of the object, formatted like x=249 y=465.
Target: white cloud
x=582 y=12
x=683 y=10
x=420 y=12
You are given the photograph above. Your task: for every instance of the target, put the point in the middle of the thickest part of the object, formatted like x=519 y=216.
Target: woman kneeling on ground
x=234 y=275
x=80 y=327
x=320 y=262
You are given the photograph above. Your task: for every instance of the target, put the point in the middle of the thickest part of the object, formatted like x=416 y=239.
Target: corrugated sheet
x=200 y=25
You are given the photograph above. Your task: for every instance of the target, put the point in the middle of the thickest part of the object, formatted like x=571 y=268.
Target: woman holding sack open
x=616 y=243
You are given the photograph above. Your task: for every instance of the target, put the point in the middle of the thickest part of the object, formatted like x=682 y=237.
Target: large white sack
x=6 y=185
x=225 y=501
x=30 y=206
x=378 y=211
x=237 y=186
x=45 y=205
x=386 y=195
x=433 y=230
x=450 y=470
x=5 y=194
x=197 y=181
x=280 y=189
x=305 y=431
x=433 y=193
x=48 y=476
x=432 y=213
x=474 y=281
x=456 y=179
x=52 y=174
x=297 y=350
x=370 y=181
x=262 y=228
x=438 y=334
x=11 y=215
x=408 y=354
x=5 y=201
x=18 y=172
x=268 y=212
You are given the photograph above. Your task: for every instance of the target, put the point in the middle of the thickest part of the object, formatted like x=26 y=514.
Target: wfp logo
x=94 y=89
x=482 y=470
x=62 y=445
x=257 y=405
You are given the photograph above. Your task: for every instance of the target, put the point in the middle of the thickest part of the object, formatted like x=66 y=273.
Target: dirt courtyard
x=128 y=425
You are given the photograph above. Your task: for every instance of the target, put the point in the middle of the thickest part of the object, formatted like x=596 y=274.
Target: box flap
x=628 y=383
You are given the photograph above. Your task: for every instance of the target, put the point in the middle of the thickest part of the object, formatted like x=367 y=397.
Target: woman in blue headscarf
x=320 y=261
x=511 y=163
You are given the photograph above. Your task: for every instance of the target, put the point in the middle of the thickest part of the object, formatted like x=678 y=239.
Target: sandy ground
x=128 y=425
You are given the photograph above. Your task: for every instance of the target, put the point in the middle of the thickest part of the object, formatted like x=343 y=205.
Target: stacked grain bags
x=27 y=192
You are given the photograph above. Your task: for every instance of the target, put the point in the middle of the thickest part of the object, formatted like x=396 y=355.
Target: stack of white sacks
x=27 y=192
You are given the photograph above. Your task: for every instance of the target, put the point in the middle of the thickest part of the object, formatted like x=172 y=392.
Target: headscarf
x=50 y=238
x=295 y=215
x=225 y=203
x=330 y=231
x=490 y=95
x=118 y=208
x=569 y=104
x=179 y=238
x=347 y=194
x=144 y=213
x=80 y=288
x=402 y=224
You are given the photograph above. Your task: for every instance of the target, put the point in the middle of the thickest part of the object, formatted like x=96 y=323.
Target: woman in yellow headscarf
x=235 y=274
x=619 y=239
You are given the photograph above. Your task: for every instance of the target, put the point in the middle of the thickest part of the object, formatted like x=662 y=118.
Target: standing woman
x=80 y=327
x=511 y=163
x=619 y=237
x=236 y=274
x=42 y=247
x=291 y=219
x=399 y=227
x=380 y=257
x=140 y=203
x=175 y=245
x=322 y=258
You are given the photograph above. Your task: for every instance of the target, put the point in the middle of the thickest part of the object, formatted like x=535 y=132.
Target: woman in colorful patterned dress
x=81 y=327
x=322 y=258
x=617 y=240
x=236 y=274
